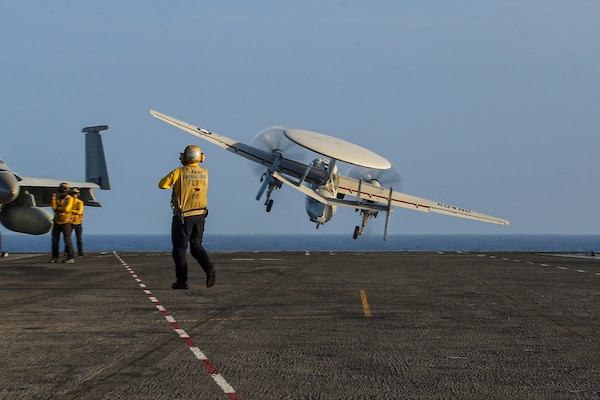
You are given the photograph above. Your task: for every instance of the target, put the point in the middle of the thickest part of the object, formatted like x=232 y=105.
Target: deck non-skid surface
x=302 y=325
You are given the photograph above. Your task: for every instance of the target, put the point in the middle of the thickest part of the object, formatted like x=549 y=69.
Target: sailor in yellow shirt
x=77 y=219
x=188 y=200
x=62 y=205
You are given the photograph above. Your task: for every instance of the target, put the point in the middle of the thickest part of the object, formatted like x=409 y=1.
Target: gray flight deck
x=296 y=325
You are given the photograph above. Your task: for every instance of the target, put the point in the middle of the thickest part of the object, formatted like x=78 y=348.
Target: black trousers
x=78 y=229
x=65 y=229
x=190 y=230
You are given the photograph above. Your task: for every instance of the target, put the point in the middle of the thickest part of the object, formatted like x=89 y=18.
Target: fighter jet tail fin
x=95 y=163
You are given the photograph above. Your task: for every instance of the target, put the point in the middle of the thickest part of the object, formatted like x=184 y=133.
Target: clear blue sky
x=491 y=106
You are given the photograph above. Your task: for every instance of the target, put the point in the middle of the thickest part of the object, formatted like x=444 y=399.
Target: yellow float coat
x=77 y=212
x=62 y=209
x=190 y=184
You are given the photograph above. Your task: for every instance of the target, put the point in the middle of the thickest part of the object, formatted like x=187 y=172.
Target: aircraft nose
x=9 y=187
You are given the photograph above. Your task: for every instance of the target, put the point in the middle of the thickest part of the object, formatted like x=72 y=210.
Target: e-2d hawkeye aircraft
x=22 y=198
x=324 y=187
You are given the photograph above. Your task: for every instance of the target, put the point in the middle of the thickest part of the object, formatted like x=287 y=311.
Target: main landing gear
x=366 y=214
x=274 y=184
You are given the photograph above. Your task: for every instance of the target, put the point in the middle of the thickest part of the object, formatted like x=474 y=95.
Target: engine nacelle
x=24 y=219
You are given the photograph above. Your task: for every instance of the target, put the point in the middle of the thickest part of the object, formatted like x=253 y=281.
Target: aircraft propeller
x=382 y=177
x=274 y=141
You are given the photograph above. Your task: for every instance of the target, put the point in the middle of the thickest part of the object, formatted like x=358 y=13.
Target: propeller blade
x=385 y=177
x=272 y=139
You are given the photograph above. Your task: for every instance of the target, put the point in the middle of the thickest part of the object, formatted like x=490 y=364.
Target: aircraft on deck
x=22 y=198
x=325 y=188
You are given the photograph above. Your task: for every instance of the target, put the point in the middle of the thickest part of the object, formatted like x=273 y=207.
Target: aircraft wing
x=214 y=138
x=363 y=191
x=37 y=192
x=374 y=198
x=287 y=166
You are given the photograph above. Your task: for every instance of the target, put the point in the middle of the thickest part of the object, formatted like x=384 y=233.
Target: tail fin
x=95 y=164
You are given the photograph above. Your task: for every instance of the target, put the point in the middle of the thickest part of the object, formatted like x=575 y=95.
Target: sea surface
x=467 y=243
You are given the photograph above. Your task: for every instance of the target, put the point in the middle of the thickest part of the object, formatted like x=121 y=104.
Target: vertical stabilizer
x=95 y=163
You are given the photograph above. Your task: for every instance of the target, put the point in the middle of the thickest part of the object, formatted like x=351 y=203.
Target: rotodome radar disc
x=336 y=148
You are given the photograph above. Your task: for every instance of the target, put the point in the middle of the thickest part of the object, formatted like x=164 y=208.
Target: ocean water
x=316 y=242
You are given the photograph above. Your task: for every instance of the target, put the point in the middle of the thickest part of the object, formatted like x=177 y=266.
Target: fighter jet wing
x=37 y=192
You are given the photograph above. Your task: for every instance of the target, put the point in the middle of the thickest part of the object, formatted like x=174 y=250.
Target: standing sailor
x=189 y=183
x=77 y=219
x=62 y=205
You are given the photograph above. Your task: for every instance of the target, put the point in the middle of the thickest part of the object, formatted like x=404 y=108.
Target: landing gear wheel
x=356 y=232
x=269 y=205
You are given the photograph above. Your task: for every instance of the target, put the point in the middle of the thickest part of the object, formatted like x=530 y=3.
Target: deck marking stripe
x=214 y=373
x=581 y=271
x=365 y=304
